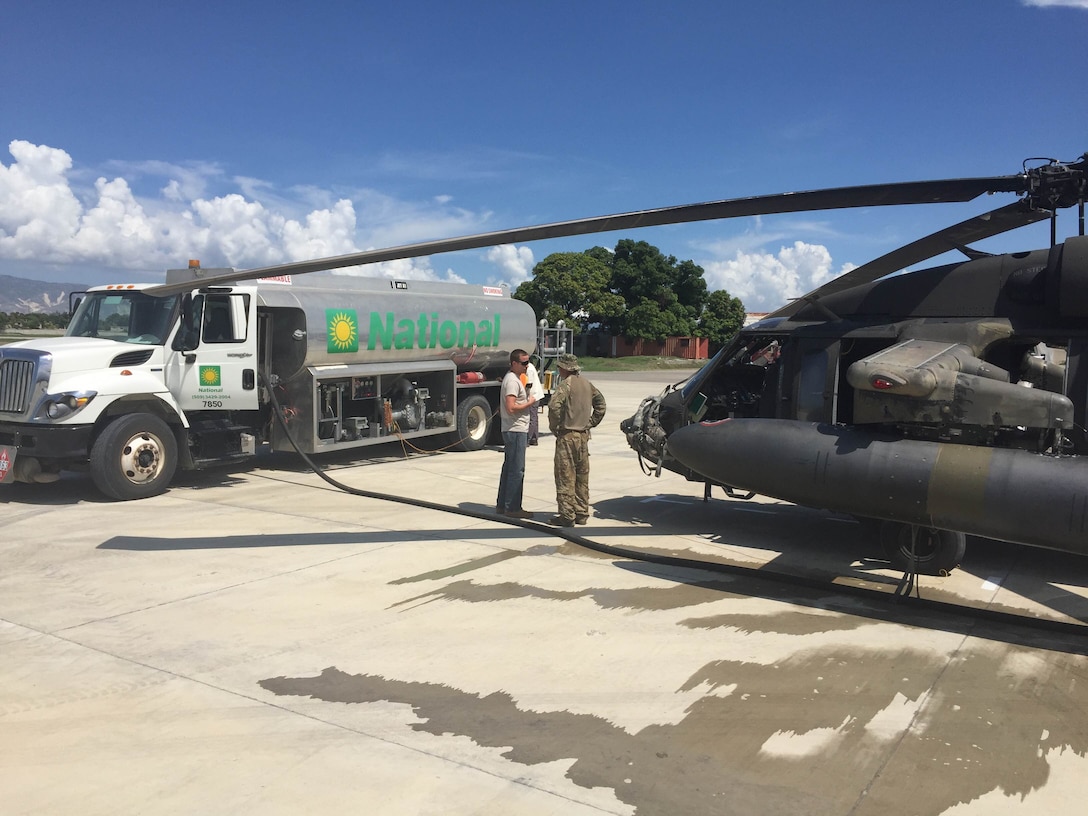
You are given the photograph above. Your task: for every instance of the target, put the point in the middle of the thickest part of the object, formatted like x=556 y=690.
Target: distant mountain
x=27 y=296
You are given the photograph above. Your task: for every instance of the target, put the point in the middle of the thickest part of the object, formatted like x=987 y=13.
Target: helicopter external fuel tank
x=1013 y=495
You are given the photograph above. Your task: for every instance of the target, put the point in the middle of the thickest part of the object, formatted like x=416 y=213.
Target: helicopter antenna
x=974 y=254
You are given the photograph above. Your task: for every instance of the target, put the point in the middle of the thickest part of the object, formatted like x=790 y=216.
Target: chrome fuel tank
x=325 y=319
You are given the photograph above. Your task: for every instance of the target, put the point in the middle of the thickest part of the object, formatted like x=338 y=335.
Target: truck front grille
x=16 y=383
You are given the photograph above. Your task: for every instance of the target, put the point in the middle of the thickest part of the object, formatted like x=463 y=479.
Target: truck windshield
x=128 y=317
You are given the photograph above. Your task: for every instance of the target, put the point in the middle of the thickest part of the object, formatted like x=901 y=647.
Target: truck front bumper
x=57 y=443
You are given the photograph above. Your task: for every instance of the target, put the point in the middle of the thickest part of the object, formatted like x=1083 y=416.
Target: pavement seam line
x=923 y=701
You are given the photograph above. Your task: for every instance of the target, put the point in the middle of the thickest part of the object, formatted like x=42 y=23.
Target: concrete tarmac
x=256 y=641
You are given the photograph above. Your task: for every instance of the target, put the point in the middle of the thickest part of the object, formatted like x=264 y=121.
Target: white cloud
x=243 y=230
x=37 y=208
x=515 y=262
x=402 y=269
x=757 y=235
x=387 y=221
x=325 y=233
x=47 y=218
x=187 y=181
x=115 y=225
x=1081 y=4
x=764 y=281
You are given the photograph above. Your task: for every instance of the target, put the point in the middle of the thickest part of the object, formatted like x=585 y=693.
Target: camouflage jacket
x=575 y=405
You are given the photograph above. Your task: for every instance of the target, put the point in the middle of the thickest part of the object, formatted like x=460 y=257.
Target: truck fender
x=138 y=385
x=153 y=404
x=161 y=403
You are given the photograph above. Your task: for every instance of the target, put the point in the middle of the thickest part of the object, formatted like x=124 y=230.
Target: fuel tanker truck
x=142 y=385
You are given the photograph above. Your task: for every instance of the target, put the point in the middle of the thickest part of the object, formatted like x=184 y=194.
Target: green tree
x=634 y=290
x=649 y=321
x=574 y=287
x=722 y=318
x=645 y=277
x=33 y=320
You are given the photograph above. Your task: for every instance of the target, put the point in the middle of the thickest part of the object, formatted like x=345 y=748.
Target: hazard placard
x=7 y=463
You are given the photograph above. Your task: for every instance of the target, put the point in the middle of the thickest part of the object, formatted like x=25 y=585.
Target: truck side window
x=224 y=318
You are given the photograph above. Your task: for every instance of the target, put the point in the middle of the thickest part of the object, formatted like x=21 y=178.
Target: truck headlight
x=59 y=406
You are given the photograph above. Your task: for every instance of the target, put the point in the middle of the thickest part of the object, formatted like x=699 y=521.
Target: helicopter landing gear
x=731 y=492
x=922 y=550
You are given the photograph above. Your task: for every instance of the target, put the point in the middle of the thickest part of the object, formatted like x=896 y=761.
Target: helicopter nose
x=699 y=446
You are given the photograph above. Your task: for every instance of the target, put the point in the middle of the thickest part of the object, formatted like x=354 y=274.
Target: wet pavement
x=257 y=642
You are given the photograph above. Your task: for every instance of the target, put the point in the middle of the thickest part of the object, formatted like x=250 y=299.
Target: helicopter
x=929 y=404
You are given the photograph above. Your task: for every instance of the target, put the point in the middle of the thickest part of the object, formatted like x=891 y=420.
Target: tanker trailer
x=141 y=385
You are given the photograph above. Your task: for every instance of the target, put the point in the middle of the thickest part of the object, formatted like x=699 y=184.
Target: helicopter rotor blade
x=987 y=225
x=877 y=195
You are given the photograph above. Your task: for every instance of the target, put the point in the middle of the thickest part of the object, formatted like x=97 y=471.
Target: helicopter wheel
x=936 y=552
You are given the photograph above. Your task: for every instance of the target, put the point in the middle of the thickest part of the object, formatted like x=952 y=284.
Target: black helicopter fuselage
x=951 y=398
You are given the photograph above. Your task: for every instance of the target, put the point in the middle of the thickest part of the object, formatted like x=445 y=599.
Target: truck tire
x=473 y=423
x=936 y=552
x=134 y=457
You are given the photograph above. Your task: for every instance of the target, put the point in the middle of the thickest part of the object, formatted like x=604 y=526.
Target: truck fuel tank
x=348 y=320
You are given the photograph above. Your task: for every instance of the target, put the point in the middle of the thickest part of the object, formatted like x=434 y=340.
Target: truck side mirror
x=187 y=338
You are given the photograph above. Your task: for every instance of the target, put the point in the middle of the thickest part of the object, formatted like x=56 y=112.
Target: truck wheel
x=134 y=457
x=936 y=552
x=473 y=422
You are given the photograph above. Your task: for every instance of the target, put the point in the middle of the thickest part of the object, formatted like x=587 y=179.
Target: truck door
x=213 y=365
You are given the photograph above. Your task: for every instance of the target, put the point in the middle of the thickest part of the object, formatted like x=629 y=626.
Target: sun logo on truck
x=210 y=376
x=343 y=330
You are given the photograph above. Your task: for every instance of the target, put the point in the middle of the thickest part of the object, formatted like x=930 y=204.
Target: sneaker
x=581 y=519
x=559 y=521
x=522 y=514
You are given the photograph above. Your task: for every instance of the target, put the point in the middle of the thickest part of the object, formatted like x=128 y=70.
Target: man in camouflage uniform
x=575 y=407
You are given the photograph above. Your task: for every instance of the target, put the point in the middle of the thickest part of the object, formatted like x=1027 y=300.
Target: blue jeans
x=512 y=480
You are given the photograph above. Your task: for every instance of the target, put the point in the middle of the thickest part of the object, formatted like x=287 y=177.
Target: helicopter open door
x=815 y=394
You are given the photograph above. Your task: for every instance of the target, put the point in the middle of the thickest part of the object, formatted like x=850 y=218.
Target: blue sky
x=134 y=136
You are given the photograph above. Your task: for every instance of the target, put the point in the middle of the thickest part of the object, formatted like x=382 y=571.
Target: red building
x=689 y=348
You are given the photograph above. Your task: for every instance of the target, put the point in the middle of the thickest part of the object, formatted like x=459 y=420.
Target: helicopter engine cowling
x=921 y=381
x=1006 y=494
x=647 y=430
x=644 y=432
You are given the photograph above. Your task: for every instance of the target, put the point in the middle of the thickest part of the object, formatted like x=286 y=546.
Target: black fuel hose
x=925 y=612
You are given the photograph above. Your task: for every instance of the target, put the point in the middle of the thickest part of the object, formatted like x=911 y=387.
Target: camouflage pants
x=572 y=474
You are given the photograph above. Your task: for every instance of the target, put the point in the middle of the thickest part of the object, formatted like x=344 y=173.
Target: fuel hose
x=898 y=607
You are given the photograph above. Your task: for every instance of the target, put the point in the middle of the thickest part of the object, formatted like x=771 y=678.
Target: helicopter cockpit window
x=695 y=381
x=735 y=387
x=766 y=355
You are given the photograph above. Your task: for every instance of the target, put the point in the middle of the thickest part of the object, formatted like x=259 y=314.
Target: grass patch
x=638 y=363
x=14 y=335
